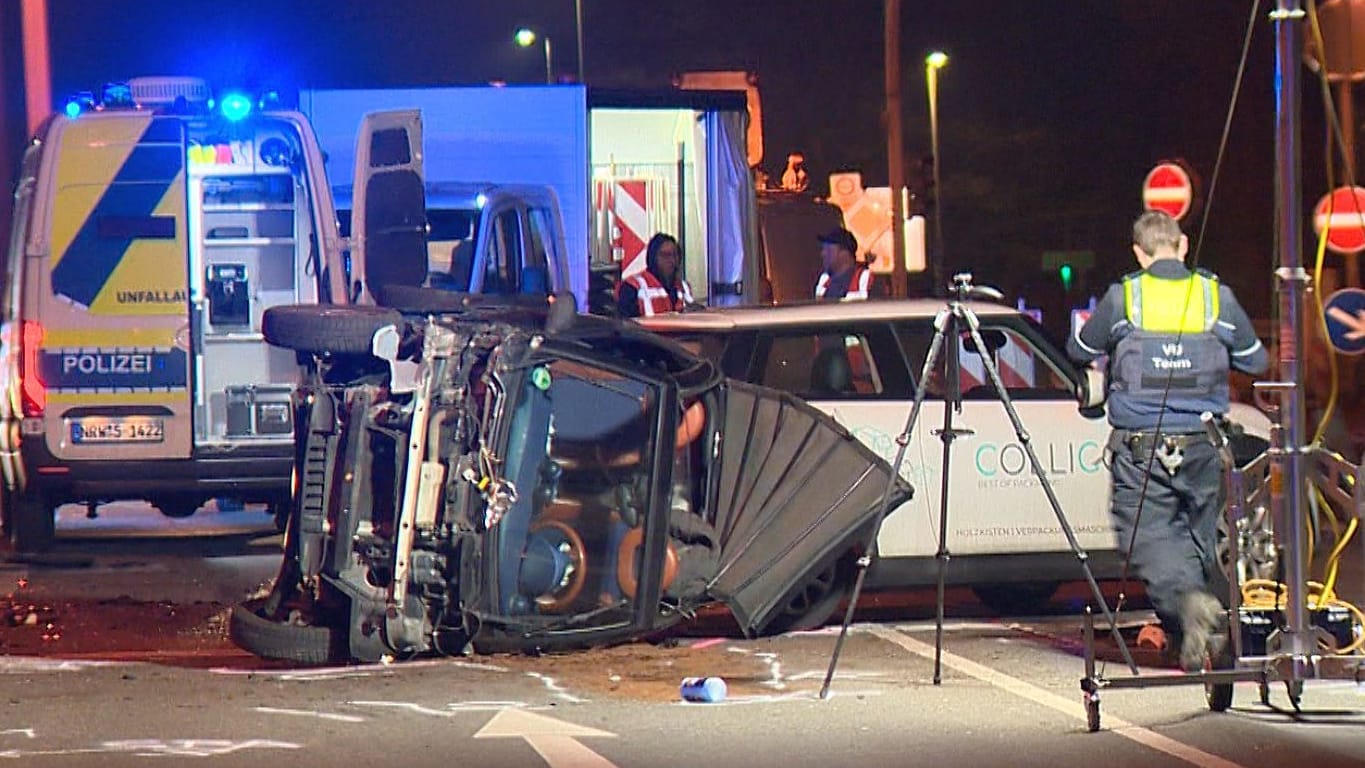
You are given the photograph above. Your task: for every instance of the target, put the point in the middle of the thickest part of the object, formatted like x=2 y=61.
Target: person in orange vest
x=660 y=287
x=843 y=278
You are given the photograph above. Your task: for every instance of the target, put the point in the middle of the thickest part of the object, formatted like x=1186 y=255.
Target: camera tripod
x=949 y=324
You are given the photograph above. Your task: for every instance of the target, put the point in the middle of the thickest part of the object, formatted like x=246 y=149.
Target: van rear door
x=388 y=215
x=111 y=293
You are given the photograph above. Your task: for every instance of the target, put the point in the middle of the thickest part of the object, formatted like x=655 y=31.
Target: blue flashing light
x=235 y=106
x=79 y=104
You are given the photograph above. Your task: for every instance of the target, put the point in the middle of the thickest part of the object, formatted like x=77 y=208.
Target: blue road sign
x=1345 y=312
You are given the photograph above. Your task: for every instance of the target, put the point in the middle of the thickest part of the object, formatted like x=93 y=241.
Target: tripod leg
x=902 y=441
x=952 y=401
x=974 y=327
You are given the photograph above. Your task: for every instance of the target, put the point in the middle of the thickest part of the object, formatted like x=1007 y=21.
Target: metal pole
x=578 y=30
x=936 y=252
x=895 y=147
x=549 y=72
x=1288 y=18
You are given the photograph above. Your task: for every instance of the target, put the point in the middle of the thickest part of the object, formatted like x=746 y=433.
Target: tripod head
x=962 y=289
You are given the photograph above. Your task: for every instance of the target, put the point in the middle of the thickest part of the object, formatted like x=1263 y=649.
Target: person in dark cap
x=843 y=278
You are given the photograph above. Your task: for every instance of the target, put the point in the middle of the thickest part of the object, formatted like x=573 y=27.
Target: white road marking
x=554 y=740
x=159 y=748
x=1074 y=709
x=554 y=687
x=311 y=713
x=452 y=709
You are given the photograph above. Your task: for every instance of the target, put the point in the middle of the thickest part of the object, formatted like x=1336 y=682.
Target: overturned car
x=493 y=478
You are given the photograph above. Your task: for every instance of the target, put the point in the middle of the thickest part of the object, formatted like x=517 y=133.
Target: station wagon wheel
x=812 y=604
x=35 y=521
x=320 y=329
x=1031 y=597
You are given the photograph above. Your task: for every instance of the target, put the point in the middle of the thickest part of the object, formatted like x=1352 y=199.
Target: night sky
x=1050 y=113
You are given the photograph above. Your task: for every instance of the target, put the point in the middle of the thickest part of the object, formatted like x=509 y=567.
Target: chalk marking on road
x=554 y=740
x=29 y=732
x=775 y=679
x=27 y=664
x=452 y=709
x=554 y=687
x=819 y=674
x=311 y=713
x=365 y=670
x=1073 y=709
x=158 y=748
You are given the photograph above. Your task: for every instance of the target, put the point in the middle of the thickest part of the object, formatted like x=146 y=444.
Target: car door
x=996 y=504
x=108 y=319
x=388 y=217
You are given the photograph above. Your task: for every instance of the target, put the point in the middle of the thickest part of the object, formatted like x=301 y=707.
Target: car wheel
x=178 y=507
x=813 y=604
x=284 y=640
x=320 y=329
x=1026 y=597
x=35 y=522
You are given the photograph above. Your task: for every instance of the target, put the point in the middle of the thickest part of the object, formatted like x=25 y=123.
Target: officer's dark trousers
x=1176 y=516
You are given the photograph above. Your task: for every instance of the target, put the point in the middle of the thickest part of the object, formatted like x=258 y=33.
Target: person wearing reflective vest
x=1171 y=335
x=660 y=287
x=843 y=277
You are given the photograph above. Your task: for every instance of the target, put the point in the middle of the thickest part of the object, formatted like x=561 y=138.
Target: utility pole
x=37 y=64
x=895 y=149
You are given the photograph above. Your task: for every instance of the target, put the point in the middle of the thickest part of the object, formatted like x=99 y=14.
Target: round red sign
x=1168 y=189
x=1342 y=213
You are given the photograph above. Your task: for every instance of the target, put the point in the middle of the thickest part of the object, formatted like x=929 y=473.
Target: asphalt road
x=1009 y=692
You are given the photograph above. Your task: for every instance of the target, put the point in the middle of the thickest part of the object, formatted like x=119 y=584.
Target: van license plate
x=122 y=429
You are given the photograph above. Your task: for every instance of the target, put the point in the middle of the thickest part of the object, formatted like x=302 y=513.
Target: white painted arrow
x=554 y=740
x=1355 y=324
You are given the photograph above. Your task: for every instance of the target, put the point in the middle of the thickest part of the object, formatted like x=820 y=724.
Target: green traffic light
x=1065 y=273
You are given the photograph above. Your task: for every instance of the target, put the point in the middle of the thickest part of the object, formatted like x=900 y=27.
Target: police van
x=151 y=232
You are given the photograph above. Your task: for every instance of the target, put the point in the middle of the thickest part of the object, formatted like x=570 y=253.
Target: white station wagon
x=860 y=361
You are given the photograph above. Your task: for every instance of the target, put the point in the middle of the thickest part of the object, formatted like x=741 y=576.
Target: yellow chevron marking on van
x=151 y=268
x=121 y=338
x=93 y=149
x=169 y=398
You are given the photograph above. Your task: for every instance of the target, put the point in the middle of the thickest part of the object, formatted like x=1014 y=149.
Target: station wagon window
x=821 y=365
x=1026 y=370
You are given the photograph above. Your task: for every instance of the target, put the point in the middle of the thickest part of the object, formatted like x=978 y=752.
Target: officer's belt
x=1143 y=443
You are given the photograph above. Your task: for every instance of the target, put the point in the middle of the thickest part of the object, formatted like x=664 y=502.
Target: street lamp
x=932 y=64
x=527 y=38
x=578 y=32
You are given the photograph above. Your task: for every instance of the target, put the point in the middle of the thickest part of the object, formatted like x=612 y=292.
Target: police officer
x=660 y=287
x=843 y=277
x=1171 y=335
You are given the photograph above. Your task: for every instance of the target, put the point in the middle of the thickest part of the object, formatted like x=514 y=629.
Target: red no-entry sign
x=1168 y=189
x=1342 y=213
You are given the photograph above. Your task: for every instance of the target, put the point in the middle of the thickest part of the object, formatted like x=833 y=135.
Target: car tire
x=320 y=329
x=270 y=639
x=1019 y=598
x=178 y=507
x=813 y=604
x=35 y=522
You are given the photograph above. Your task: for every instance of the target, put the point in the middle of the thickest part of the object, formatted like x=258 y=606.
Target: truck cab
x=487 y=238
